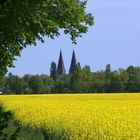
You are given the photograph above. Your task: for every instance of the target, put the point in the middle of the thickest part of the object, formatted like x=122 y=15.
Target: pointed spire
x=73 y=65
x=61 y=68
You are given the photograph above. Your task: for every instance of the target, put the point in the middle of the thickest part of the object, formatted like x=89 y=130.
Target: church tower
x=73 y=65
x=61 y=68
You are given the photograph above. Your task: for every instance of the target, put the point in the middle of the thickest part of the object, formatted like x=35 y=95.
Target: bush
x=9 y=127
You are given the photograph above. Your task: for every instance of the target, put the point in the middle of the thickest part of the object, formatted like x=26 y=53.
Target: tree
x=27 y=78
x=36 y=84
x=2 y=83
x=53 y=71
x=119 y=80
x=41 y=84
x=78 y=66
x=47 y=83
x=62 y=84
x=24 y=22
x=108 y=78
x=87 y=67
x=16 y=84
x=81 y=81
x=99 y=82
x=134 y=79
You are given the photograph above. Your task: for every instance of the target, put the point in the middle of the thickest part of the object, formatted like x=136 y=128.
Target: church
x=73 y=66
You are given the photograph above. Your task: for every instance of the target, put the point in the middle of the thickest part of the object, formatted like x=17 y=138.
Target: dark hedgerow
x=9 y=127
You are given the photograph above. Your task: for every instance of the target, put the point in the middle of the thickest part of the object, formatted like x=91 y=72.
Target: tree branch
x=2 y=2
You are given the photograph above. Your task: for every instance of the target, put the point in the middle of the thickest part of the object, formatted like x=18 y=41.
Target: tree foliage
x=53 y=71
x=119 y=81
x=9 y=127
x=40 y=84
x=134 y=79
x=17 y=84
x=80 y=81
x=24 y=22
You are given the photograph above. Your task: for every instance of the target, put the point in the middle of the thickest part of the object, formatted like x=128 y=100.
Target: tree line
x=82 y=80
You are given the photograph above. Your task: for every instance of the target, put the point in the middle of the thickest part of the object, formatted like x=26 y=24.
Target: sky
x=114 y=39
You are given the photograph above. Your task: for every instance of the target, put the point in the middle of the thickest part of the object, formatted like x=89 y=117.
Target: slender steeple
x=73 y=65
x=61 y=68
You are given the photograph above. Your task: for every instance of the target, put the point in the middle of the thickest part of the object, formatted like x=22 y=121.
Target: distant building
x=61 y=67
x=73 y=65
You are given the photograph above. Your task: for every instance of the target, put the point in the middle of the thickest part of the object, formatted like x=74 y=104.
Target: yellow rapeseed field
x=80 y=116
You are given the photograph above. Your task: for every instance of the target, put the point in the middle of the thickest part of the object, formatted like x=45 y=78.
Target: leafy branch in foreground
x=24 y=22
